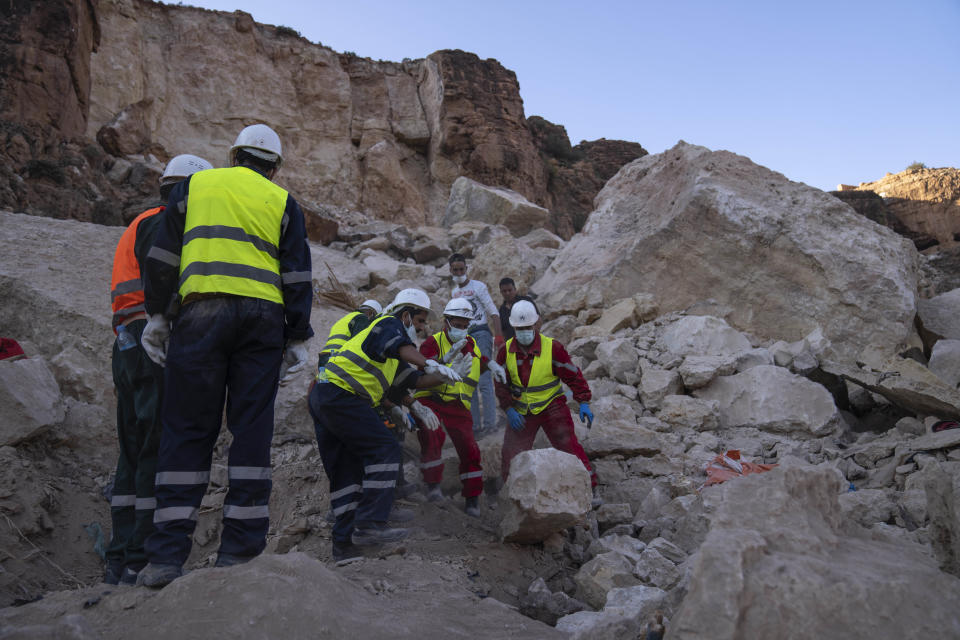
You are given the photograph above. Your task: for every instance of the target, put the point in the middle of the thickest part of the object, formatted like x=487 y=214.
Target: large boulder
x=783 y=533
x=691 y=224
x=772 y=399
x=547 y=491
x=470 y=200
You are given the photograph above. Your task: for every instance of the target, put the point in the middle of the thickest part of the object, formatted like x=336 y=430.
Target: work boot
x=434 y=494
x=111 y=574
x=472 y=507
x=158 y=575
x=129 y=577
x=376 y=534
x=344 y=551
x=597 y=499
x=230 y=560
x=399 y=515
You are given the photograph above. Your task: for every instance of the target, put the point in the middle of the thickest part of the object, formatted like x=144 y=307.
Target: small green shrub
x=916 y=166
x=287 y=31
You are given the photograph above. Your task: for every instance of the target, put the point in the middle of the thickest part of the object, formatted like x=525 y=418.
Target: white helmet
x=373 y=305
x=459 y=308
x=182 y=166
x=261 y=141
x=410 y=298
x=523 y=314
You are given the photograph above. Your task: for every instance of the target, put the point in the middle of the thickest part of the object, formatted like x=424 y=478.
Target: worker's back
x=231 y=237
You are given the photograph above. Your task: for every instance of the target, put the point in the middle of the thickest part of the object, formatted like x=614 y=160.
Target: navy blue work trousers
x=360 y=455
x=223 y=349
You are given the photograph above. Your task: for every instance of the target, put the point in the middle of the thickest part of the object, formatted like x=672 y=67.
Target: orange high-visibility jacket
x=126 y=288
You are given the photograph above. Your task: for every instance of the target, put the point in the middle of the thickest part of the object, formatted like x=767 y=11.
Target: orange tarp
x=729 y=465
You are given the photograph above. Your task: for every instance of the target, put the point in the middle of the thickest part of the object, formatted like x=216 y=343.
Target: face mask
x=411 y=331
x=525 y=336
x=460 y=279
x=456 y=334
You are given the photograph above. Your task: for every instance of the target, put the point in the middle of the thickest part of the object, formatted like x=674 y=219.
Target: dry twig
x=37 y=549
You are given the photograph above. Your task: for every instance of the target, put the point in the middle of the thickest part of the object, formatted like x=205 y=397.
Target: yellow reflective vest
x=339 y=333
x=543 y=386
x=461 y=391
x=231 y=236
x=350 y=368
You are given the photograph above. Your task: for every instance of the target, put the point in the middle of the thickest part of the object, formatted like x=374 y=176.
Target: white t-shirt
x=476 y=293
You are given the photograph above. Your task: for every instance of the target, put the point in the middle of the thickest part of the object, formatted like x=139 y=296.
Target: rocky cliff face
x=922 y=204
x=131 y=83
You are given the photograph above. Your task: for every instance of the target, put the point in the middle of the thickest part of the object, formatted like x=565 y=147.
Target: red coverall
x=458 y=422
x=555 y=419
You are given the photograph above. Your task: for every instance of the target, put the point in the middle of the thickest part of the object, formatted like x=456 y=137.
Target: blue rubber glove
x=517 y=422
x=586 y=414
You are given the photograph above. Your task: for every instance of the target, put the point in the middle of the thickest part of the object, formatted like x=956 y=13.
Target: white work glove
x=462 y=364
x=154 y=338
x=497 y=371
x=294 y=359
x=454 y=350
x=426 y=417
x=448 y=374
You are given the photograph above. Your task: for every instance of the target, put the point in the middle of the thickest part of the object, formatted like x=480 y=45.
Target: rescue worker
x=347 y=327
x=533 y=397
x=138 y=381
x=231 y=268
x=360 y=455
x=451 y=404
x=508 y=291
x=485 y=317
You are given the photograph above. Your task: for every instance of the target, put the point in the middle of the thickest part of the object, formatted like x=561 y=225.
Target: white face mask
x=455 y=334
x=411 y=331
x=460 y=279
x=525 y=336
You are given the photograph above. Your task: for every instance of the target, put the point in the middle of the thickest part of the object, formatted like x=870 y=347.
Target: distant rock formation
x=921 y=204
x=387 y=139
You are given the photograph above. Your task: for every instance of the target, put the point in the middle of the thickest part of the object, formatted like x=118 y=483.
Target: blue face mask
x=525 y=336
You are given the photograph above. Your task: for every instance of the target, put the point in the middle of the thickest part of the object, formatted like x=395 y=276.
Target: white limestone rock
x=945 y=361
x=601 y=574
x=686 y=411
x=656 y=384
x=30 y=400
x=773 y=399
x=471 y=200
x=783 y=257
x=547 y=491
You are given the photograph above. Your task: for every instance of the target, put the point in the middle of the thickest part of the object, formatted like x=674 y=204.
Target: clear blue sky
x=823 y=92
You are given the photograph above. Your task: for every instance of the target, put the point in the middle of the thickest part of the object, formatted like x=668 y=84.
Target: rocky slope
x=384 y=138
x=860 y=518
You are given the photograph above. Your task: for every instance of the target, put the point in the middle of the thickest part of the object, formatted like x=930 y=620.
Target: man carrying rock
x=533 y=397
x=485 y=316
x=138 y=381
x=231 y=268
x=451 y=404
